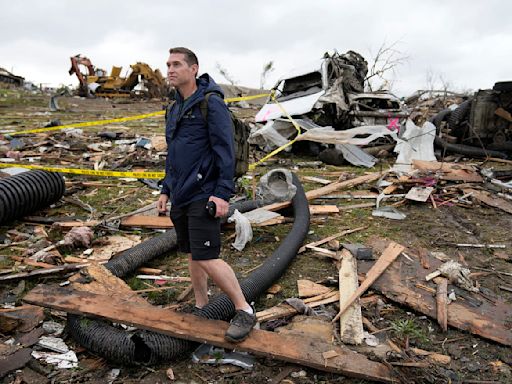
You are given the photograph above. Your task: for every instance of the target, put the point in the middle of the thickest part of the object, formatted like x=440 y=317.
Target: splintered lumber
x=143 y=221
x=442 y=302
x=23 y=318
x=329 y=238
x=304 y=351
x=43 y=272
x=450 y=171
x=323 y=209
x=317 y=180
x=488 y=320
x=316 y=193
x=388 y=256
x=283 y=310
x=493 y=201
x=307 y=288
x=101 y=280
x=351 y=324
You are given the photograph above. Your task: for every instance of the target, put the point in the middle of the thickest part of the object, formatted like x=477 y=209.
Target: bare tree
x=384 y=62
x=267 y=68
x=224 y=72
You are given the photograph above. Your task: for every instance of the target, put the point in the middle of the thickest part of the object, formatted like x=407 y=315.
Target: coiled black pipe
x=150 y=347
x=28 y=192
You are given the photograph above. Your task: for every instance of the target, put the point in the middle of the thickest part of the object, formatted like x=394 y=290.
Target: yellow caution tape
x=244 y=98
x=122 y=119
x=90 y=123
x=274 y=152
x=90 y=172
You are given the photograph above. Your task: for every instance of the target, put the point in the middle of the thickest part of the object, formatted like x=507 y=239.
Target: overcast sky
x=466 y=43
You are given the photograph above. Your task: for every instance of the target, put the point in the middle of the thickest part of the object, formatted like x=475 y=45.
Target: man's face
x=178 y=70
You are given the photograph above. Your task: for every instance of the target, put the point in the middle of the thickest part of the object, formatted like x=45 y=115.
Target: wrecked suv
x=327 y=93
x=483 y=121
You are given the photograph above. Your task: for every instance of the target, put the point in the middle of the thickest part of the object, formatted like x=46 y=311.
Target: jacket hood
x=207 y=85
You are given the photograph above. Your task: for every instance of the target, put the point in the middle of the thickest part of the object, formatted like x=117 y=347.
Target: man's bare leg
x=199 y=282
x=224 y=277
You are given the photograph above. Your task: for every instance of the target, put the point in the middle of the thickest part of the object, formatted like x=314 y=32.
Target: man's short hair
x=190 y=57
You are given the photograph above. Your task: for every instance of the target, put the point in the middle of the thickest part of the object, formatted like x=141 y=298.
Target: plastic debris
x=55 y=344
x=61 y=360
x=276 y=185
x=209 y=354
x=243 y=230
x=389 y=213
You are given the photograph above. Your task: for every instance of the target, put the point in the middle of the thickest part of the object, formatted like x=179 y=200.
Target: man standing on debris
x=199 y=171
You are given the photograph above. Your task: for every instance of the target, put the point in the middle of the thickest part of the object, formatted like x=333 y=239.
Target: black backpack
x=241 y=133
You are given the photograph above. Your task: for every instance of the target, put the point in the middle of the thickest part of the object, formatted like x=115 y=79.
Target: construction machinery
x=95 y=81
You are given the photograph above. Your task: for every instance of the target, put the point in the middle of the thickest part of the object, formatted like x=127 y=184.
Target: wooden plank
x=493 y=201
x=323 y=209
x=450 y=171
x=388 y=256
x=147 y=221
x=351 y=324
x=442 y=302
x=304 y=351
x=283 y=310
x=488 y=320
x=329 y=238
x=316 y=193
x=71 y=224
x=317 y=180
x=307 y=288
x=43 y=272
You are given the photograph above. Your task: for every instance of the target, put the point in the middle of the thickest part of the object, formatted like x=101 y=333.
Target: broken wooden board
x=43 y=272
x=323 y=209
x=450 y=171
x=491 y=321
x=307 y=288
x=14 y=361
x=315 y=179
x=23 y=318
x=316 y=193
x=488 y=199
x=283 y=310
x=144 y=221
x=351 y=324
x=389 y=255
x=329 y=238
x=308 y=326
x=112 y=245
x=98 y=279
x=304 y=351
x=442 y=302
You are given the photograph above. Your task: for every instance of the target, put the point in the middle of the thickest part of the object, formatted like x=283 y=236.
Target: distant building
x=9 y=78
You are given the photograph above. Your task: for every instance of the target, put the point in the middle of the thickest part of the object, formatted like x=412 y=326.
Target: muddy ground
x=474 y=359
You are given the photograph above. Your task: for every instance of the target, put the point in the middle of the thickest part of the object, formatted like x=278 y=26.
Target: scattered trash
x=209 y=354
x=61 y=360
x=53 y=343
x=389 y=213
x=370 y=340
x=243 y=230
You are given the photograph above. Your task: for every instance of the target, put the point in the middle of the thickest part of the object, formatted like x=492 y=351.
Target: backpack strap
x=203 y=105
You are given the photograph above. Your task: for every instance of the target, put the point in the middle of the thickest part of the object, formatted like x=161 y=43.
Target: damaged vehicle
x=480 y=125
x=327 y=96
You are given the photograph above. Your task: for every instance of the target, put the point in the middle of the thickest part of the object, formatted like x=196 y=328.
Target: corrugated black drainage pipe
x=28 y=192
x=150 y=347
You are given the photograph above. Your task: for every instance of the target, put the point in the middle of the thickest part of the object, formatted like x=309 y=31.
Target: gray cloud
x=467 y=43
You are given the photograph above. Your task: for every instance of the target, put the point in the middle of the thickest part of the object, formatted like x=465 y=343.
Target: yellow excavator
x=95 y=81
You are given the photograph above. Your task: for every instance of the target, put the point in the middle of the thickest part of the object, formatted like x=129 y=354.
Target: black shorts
x=198 y=233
